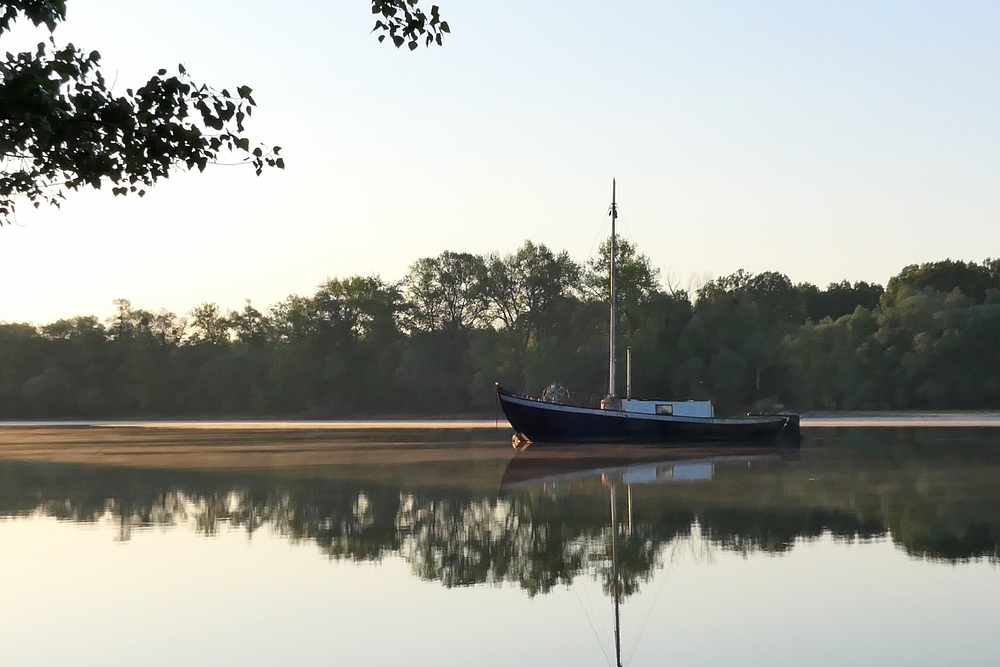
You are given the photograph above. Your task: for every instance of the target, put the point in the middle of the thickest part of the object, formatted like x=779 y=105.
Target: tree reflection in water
x=938 y=500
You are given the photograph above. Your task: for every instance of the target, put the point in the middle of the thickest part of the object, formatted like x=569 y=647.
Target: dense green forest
x=434 y=343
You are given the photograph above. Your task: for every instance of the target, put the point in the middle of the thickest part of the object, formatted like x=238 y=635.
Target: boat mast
x=628 y=372
x=614 y=309
x=614 y=574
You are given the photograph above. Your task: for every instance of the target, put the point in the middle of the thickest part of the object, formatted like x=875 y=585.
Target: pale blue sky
x=826 y=140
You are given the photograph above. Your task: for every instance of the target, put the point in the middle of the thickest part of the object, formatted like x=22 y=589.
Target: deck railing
x=580 y=399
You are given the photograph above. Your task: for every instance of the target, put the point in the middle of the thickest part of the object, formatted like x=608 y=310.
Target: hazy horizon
x=688 y=283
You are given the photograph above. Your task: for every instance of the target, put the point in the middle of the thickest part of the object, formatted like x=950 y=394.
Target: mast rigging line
x=628 y=231
x=656 y=598
x=600 y=642
x=604 y=220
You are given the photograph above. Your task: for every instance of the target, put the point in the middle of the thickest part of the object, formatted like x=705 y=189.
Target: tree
x=445 y=292
x=834 y=364
x=62 y=127
x=771 y=291
x=636 y=282
x=369 y=309
x=444 y=302
x=209 y=324
x=635 y=277
x=971 y=278
x=367 y=304
x=250 y=325
x=657 y=360
x=528 y=294
x=522 y=287
x=838 y=299
x=732 y=341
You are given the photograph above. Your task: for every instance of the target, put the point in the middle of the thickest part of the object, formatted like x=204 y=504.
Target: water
x=124 y=546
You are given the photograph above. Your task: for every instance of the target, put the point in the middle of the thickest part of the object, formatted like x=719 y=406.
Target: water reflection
x=536 y=520
x=549 y=523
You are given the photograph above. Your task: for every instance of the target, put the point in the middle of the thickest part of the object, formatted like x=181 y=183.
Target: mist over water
x=444 y=546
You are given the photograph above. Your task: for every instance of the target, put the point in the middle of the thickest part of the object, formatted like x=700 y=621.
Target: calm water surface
x=867 y=547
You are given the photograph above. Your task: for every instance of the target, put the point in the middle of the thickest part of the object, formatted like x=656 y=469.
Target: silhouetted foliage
x=63 y=127
x=971 y=279
x=404 y=22
x=838 y=299
x=435 y=343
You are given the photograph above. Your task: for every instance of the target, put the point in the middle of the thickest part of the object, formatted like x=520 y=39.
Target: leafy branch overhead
x=63 y=127
x=405 y=23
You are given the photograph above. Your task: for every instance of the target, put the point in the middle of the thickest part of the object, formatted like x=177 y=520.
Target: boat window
x=666 y=409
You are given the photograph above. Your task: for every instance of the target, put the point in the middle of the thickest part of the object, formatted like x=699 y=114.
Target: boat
x=553 y=418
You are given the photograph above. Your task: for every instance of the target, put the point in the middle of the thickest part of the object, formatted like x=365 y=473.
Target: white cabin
x=688 y=471
x=675 y=408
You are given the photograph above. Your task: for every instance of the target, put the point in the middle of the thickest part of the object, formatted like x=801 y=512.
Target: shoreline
x=897 y=419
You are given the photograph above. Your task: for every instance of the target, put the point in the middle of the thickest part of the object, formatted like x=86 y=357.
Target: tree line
x=436 y=341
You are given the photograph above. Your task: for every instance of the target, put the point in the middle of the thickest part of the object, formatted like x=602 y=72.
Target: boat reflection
x=616 y=467
x=550 y=466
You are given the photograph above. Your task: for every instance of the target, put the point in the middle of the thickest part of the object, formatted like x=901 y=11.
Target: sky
x=824 y=140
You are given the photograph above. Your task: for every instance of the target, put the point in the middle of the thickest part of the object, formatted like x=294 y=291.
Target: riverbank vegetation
x=434 y=343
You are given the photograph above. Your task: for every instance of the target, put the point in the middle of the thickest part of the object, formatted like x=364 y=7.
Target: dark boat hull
x=547 y=422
